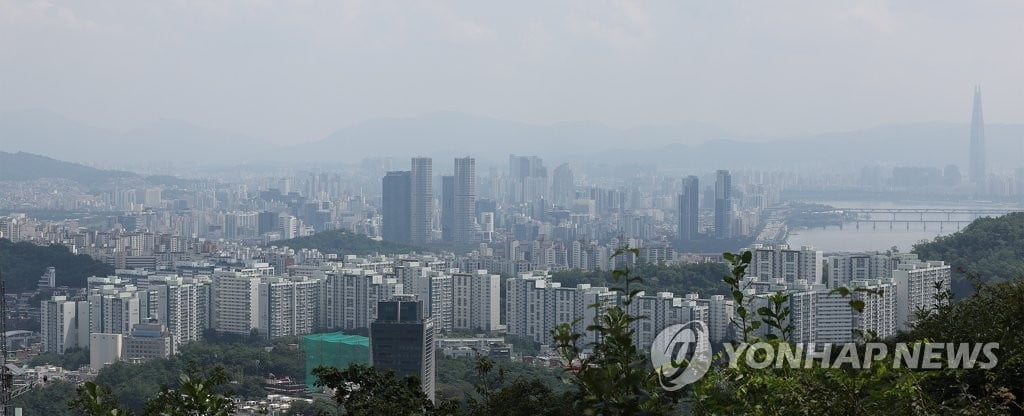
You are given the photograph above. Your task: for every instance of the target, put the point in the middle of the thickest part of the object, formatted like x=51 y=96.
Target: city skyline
x=669 y=52
x=485 y=209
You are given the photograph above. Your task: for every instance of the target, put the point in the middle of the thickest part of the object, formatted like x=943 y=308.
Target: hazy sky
x=292 y=71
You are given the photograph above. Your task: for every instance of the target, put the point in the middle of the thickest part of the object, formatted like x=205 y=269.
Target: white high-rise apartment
x=781 y=262
x=843 y=268
x=476 y=301
x=433 y=287
x=916 y=288
x=63 y=324
x=352 y=296
x=660 y=311
x=235 y=302
x=821 y=316
x=535 y=306
x=847 y=267
x=720 y=313
x=113 y=311
x=183 y=305
x=288 y=306
x=880 y=306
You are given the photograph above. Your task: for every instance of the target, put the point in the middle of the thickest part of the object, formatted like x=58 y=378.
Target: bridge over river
x=940 y=217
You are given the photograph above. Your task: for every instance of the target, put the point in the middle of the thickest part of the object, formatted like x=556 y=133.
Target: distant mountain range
x=447 y=135
x=23 y=166
x=48 y=133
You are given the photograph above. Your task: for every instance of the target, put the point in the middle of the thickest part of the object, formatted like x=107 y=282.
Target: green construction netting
x=333 y=350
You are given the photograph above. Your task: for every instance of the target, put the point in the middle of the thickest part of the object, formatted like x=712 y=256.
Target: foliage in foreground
x=198 y=395
x=615 y=378
x=362 y=390
x=880 y=389
x=244 y=359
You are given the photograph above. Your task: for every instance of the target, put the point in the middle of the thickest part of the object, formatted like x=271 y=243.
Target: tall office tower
x=563 y=186
x=422 y=197
x=688 y=210
x=231 y=225
x=396 y=206
x=977 y=169
x=266 y=222
x=63 y=324
x=723 y=204
x=289 y=225
x=402 y=340
x=448 y=208
x=464 y=212
x=528 y=178
x=248 y=225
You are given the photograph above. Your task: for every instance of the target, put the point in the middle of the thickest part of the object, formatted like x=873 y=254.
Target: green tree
x=316 y=408
x=196 y=396
x=40 y=399
x=879 y=389
x=991 y=249
x=615 y=378
x=96 y=400
x=520 y=397
x=363 y=390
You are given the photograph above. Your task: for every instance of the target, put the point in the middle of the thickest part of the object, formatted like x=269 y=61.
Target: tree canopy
x=23 y=263
x=991 y=248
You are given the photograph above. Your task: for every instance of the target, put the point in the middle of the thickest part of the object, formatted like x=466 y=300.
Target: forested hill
x=23 y=263
x=23 y=166
x=991 y=248
x=342 y=242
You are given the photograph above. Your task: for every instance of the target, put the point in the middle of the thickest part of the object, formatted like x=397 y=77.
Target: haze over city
x=677 y=72
x=464 y=208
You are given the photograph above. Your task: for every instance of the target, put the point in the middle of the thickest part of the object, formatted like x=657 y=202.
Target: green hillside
x=990 y=248
x=23 y=263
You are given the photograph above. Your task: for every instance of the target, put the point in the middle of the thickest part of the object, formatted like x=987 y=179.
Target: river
x=880 y=236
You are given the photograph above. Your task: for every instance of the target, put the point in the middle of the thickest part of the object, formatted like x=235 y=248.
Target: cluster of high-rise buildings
x=893 y=287
x=407 y=203
x=317 y=294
